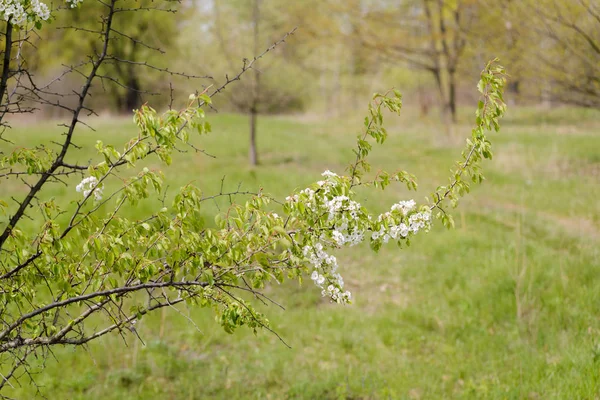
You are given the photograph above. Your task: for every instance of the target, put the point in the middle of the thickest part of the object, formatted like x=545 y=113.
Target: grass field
x=505 y=306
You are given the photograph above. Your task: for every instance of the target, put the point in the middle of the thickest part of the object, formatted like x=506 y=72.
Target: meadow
x=504 y=306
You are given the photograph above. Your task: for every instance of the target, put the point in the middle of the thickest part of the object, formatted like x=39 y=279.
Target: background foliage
x=343 y=49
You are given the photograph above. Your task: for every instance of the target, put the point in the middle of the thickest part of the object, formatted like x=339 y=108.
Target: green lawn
x=505 y=306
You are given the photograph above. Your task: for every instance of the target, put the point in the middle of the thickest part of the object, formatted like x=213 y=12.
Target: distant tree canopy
x=570 y=50
x=129 y=75
x=340 y=50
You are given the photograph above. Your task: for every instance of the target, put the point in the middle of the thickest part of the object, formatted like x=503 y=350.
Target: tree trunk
x=452 y=96
x=255 y=87
x=6 y=67
x=132 y=96
x=444 y=103
x=513 y=87
x=253 y=152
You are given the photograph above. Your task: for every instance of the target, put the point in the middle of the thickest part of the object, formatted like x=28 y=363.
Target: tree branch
x=69 y=136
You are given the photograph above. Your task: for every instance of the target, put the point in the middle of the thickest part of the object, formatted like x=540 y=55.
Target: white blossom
x=87 y=185
x=336 y=294
x=74 y=3
x=377 y=234
x=342 y=203
x=396 y=228
x=399 y=231
x=40 y=9
x=338 y=237
x=320 y=259
x=17 y=12
x=404 y=206
x=420 y=220
x=325 y=272
x=343 y=222
x=329 y=174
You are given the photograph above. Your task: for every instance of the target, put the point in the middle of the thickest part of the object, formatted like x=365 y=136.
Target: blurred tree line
x=342 y=51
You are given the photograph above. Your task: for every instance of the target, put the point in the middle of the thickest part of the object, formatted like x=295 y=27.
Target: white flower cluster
x=391 y=229
x=74 y=3
x=310 y=194
x=420 y=220
x=350 y=239
x=342 y=203
x=341 y=211
x=326 y=263
x=12 y=11
x=329 y=174
x=341 y=221
x=345 y=225
x=40 y=9
x=326 y=185
x=404 y=206
x=345 y=213
x=16 y=11
x=87 y=185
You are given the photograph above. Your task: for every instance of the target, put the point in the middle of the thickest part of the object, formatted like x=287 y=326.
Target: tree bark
x=6 y=66
x=452 y=96
x=253 y=152
x=132 y=96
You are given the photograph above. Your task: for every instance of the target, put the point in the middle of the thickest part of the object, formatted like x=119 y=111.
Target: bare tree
x=249 y=104
x=255 y=83
x=430 y=35
x=243 y=25
x=571 y=58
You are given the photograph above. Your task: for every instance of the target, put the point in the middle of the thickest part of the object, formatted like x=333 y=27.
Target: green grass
x=505 y=306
